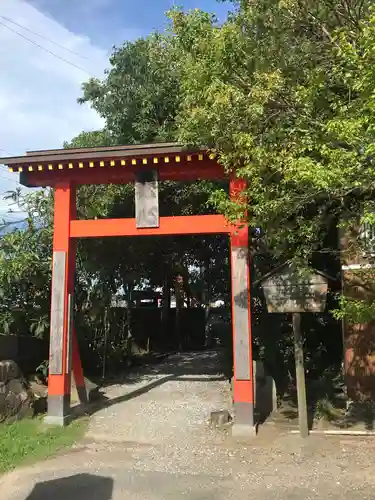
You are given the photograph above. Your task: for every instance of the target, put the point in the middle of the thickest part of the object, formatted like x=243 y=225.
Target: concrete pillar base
x=244 y=421
x=244 y=431
x=244 y=413
x=58 y=410
x=58 y=421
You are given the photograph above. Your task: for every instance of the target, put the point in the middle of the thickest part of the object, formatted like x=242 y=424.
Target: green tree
x=138 y=99
x=282 y=94
x=92 y=139
x=25 y=271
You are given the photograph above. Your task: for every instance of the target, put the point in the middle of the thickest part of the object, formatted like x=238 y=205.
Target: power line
x=43 y=48
x=8 y=19
x=4 y=167
x=8 y=179
x=13 y=215
x=5 y=171
x=6 y=176
x=5 y=151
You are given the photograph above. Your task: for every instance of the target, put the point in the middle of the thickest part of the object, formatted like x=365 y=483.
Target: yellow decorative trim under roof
x=178 y=158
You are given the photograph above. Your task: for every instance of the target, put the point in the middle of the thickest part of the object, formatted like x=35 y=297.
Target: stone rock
x=2 y=402
x=17 y=386
x=15 y=396
x=220 y=418
x=266 y=397
x=8 y=370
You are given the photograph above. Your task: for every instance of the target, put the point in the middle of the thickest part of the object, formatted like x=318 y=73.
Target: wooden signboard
x=241 y=313
x=57 y=313
x=147 y=199
x=288 y=291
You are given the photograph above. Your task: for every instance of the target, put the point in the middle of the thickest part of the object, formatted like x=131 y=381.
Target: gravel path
x=170 y=402
x=154 y=443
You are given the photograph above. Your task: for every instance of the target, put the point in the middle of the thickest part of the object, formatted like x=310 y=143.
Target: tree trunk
x=166 y=307
x=106 y=332
x=179 y=284
x=129 y=342
x=300 y=376
x=206 y=297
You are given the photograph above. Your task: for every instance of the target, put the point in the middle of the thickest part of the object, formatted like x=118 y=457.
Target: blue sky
x=38 y=90
x=109 y=22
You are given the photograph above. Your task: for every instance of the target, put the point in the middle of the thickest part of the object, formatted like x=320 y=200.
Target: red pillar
x=243 y=383
x=62 y=305
x=78 y=371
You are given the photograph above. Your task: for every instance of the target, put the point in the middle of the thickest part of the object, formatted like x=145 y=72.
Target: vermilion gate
x=144 y=165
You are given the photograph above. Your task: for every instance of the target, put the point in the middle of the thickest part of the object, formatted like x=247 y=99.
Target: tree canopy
x=283 y=94
x=139 y=97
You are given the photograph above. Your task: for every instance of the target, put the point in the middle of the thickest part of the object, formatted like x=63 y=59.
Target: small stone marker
x=220 y=418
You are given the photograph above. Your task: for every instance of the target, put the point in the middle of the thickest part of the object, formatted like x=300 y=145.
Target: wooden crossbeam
x=190 y=224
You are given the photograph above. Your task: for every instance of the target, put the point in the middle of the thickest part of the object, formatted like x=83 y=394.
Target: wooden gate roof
x=116 y=164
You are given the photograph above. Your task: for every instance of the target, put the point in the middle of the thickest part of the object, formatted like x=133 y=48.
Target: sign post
x=300 y=376
x=288 y=290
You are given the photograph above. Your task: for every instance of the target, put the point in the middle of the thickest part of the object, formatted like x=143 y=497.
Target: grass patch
x=28 y=441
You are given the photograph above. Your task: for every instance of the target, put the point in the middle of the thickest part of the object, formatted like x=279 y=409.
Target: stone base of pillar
x=241 y=431
x=58 y=421
x=244 y=420
x=244 y=413
x=58 y=410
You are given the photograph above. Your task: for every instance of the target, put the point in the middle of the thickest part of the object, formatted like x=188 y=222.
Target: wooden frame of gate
x=145 y=165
